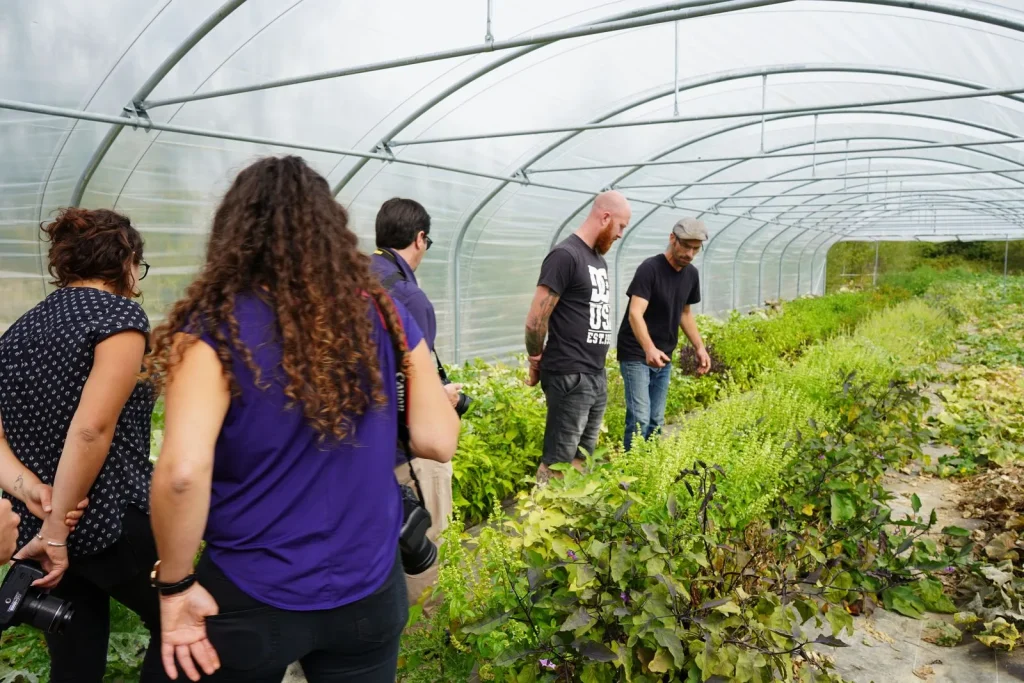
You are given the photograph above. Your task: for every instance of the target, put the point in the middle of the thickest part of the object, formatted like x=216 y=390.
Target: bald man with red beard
x=571 y=309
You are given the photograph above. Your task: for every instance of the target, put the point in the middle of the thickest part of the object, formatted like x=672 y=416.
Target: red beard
x=605 y=240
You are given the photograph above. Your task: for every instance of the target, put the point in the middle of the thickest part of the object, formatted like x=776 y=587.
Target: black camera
x=463 y=403
x=418 y=551
x=23 y=604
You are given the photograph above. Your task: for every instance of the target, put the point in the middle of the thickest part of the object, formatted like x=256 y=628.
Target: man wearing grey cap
x=660 y=295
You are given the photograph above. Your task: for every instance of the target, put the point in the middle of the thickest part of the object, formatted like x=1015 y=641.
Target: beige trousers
x=436 y=482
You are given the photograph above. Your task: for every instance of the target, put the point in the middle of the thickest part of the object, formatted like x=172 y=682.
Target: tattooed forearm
x=19 y=483
x=537 y=321
x=535 y=339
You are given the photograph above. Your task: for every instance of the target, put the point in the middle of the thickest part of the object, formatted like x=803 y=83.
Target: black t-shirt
x=667 y=291
x=580 y=328
x=45 y=358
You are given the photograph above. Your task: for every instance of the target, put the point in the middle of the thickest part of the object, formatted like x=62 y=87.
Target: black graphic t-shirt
x=45 y=358
x=667 y=291
x=580 y=328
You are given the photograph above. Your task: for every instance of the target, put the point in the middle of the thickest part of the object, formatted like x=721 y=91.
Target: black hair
x=399 y=221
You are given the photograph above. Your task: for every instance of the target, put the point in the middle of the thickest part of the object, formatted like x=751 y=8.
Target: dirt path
x=888 y=647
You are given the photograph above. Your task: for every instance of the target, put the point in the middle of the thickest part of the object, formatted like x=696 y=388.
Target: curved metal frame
x=727 y=129
x=739 y=248
x=931 y=6
x=147 y=87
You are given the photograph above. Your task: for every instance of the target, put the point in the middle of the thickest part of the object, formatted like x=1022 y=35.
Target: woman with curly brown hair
x=279 y=441
x=76 y=416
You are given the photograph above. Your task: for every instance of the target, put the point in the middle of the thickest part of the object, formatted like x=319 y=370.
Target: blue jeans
x=646 y=391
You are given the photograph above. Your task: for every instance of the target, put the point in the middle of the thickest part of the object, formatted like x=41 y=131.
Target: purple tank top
x=294 y=523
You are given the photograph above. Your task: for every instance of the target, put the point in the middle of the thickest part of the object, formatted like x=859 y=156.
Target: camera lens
x=46 y=612
x=463 y=405
x=418 y=551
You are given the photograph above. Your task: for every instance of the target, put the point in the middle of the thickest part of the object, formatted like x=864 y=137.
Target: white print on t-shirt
x=600 y=331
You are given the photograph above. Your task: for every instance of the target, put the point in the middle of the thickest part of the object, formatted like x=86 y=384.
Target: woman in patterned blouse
x=76 y=415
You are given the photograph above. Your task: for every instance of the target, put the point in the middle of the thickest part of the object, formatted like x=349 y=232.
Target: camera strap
x=389 y=282
x=401 y=397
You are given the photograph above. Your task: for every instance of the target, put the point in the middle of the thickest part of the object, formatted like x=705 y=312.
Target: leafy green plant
x=658 y=565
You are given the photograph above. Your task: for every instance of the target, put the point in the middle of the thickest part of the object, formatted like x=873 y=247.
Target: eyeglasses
x=682 y=245
x=426 y=238
x=144 y=270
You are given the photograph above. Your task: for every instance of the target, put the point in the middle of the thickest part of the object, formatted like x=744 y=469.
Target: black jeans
x=79 y=654
x=576 y=405
x=356 y=643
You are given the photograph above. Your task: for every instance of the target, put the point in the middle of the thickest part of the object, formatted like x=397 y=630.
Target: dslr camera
x=23 y=604
x=418 y=551
x=463 y=404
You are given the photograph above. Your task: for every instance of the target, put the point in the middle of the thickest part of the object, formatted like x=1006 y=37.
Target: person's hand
x=656 y=358
x=9 y=521
x=53 y=560
x=39 y=498
x=453 y=393
x=705 y=361
x=183 y=633
x=534 y=377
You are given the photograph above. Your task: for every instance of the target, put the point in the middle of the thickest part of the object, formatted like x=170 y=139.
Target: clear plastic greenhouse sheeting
x=777 y=189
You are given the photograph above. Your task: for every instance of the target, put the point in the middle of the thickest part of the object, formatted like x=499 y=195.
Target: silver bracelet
x=52 y=544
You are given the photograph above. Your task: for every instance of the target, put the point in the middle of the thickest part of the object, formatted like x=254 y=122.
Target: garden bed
x=719 y=553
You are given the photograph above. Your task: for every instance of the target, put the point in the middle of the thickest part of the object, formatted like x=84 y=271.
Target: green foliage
x=503 y=433
x=660 y=566
x=25 y=659
x=501 y=440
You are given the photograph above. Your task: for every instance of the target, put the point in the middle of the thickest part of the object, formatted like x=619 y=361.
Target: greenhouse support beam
x=1006 y=262
x=874 y=273
x=844 y=108
x=489 y=35
x=147 y=124
x=651 y=16
x=803 y=206
x=760 y=264
x=821 y=179
x=472 y=77
x=805 y=182
x=714 y=208
x=721 y=77
x=765 y=156
x=143 y=92
x=907 y=192
x=675 y=71
x=676 y=11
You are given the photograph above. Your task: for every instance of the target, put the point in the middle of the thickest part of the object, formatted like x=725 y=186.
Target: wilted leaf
x=996 y=575
x=831 y=641
x=662 y=662
x=942 y=634
x=999 y=634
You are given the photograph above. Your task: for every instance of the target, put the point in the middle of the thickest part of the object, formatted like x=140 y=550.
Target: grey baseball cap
x=690 y=229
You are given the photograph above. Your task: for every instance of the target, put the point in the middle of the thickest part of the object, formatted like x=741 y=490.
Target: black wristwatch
x=170 y=588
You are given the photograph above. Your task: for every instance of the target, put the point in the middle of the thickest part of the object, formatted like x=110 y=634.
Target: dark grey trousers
x=576 y=404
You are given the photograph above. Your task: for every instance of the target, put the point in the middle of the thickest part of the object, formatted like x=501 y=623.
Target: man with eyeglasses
x=660 y=295
x=403 y=238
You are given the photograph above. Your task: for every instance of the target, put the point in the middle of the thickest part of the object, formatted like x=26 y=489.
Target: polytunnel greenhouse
x=778 y=528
